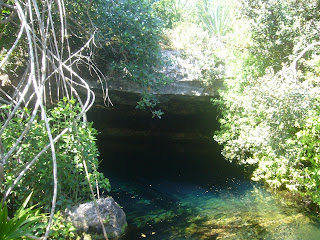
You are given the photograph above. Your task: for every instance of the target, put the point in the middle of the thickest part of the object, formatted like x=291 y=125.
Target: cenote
x=173 y=183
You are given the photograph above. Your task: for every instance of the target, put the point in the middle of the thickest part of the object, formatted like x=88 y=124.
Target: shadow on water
x=186 y=190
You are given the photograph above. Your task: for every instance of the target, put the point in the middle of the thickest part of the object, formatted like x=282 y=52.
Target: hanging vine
x=50 y=74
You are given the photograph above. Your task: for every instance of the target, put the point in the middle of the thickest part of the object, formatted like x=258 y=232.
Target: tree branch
x=79 y=27
x=2 y=4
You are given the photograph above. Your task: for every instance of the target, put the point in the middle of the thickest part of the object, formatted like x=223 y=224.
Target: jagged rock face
x=84 y=217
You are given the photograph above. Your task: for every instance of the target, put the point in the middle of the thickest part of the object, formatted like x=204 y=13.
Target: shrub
x=308 y=139
x=76 y=147
x=129 y=36
x=271 y=124
x=279 y=29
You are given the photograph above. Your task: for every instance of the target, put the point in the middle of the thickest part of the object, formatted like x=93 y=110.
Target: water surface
x=186 y=190
x=242 y=210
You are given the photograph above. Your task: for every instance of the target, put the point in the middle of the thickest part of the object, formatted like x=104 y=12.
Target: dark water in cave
x=185 y=190
x=173 y=183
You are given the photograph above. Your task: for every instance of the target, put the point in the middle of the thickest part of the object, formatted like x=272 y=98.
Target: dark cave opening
x=160 y=168
x=178 y=147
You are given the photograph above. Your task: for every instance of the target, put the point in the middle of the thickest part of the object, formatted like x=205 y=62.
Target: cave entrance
x=173 y=183
x=177 y=147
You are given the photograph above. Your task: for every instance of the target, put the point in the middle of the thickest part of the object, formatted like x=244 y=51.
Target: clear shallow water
x=173 y=190
x=161 y=209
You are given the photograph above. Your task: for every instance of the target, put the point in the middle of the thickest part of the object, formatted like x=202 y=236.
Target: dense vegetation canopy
x=271 y=109
x=267 y=53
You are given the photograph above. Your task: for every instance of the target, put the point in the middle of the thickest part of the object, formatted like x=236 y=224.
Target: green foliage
x=272 y=32
x=61 y=228
x=170 y=11
x=215 y=16
x=279 y=29
x=309 y=142
x=271 y=123
x=8 y=34
x=73 y=148
x=259 y=114
x=21 y=225
x=129 y=36
x=201 y=54
x=270 y=110
x=7 y=29
x=149 y=101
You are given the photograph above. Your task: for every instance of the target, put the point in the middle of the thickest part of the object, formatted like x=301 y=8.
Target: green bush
x=72 y=149
x=205 y=53
x=270 y=111
x=9 y=29
x=171 y=12
x=60 y=229
x=279 y=29
x=129 y=36
x=271 y=124
x=308 y=139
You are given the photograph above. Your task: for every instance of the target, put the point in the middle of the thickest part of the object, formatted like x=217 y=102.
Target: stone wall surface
x=188 y=112
x=185 y=75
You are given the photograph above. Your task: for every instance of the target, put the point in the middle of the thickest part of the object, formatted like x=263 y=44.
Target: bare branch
x=5 y=59
x=294 y=63
x=47 y=62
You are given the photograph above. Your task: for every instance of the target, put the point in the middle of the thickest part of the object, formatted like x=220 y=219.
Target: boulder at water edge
x=85 y=218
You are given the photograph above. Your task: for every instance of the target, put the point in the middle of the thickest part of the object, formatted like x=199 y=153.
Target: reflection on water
x=239 y=210
x=173 y=190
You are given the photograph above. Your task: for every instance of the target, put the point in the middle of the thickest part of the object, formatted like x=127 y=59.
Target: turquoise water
x=239 y=210
x=185 y=190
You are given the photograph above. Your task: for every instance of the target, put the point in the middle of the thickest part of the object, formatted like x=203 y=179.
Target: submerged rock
x=85 y=218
